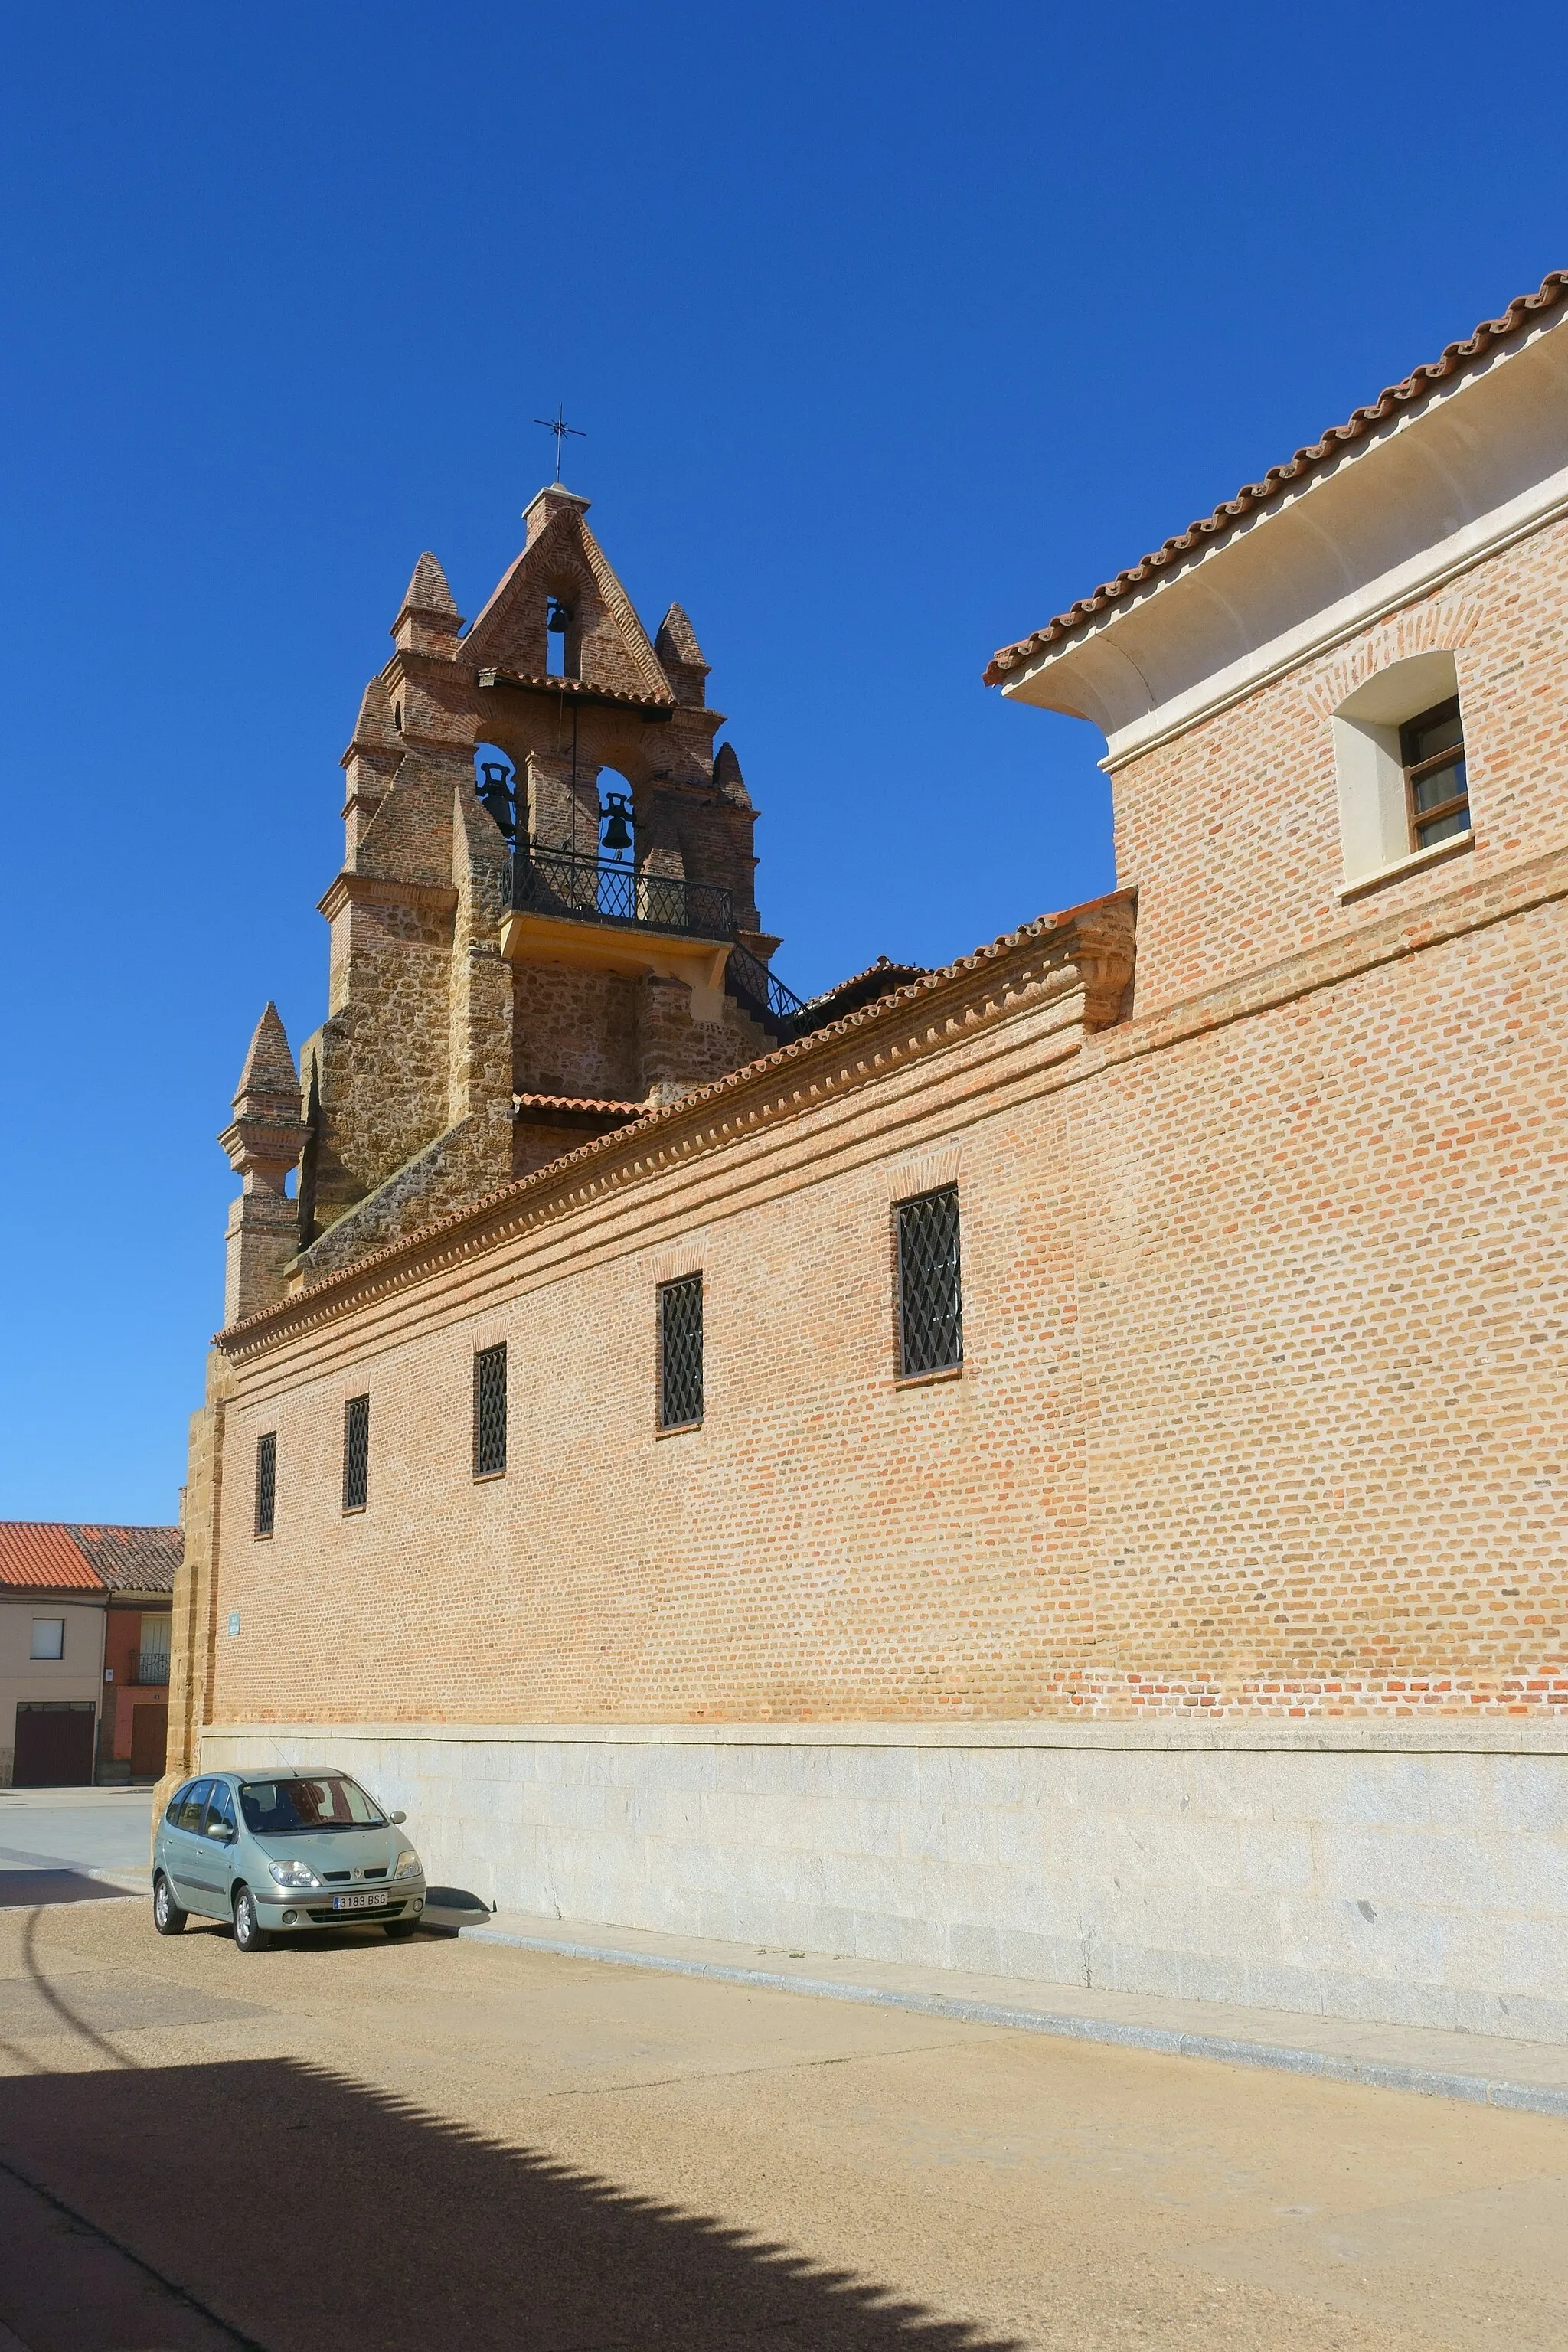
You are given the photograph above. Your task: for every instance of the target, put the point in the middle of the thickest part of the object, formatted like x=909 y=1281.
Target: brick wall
x=1230 y=830
x=1264 y=1325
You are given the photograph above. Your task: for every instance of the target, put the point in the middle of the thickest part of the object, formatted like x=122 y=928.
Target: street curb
x=1478 y=2089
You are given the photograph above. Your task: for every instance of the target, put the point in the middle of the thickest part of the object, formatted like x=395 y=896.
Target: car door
x=221 y=1841
x=183 y=1846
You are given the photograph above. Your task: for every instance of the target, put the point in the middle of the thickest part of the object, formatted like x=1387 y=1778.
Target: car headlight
x=293 y=1874
x=408 y=1867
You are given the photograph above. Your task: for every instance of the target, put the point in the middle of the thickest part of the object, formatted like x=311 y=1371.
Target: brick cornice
x=1086 y=952
x=382 y=890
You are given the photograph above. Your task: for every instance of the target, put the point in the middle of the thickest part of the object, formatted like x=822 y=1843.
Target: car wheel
x=248 y=1934
x=167 y=1917
x=397 y=1928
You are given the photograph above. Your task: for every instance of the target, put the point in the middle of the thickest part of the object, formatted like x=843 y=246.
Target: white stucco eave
x=1483 y=462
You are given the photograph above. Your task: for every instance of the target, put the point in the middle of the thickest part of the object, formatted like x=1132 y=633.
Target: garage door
x=54 y=1744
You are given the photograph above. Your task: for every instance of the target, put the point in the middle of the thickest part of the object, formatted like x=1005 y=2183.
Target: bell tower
x=546 y=921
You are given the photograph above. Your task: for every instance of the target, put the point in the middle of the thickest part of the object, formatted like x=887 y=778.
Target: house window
x=48 y=1637
x=265 y=1481
x=489 y=1411
x=681 y=1352
x=931 y=1303
x=1432 y=749
x=356 y=1453
x=1399 y=752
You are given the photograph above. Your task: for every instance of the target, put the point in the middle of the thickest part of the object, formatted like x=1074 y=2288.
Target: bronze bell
x=558 y=620
x=617 y=833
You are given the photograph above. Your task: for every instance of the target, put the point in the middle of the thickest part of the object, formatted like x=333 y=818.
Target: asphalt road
x=76 y=1829
x=434 y=2143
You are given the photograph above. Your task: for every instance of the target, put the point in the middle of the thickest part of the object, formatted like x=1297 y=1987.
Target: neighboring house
x=1054 y=1466
x=84 y=1652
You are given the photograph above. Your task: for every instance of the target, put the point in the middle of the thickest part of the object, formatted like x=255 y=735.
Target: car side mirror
x=397 y=1819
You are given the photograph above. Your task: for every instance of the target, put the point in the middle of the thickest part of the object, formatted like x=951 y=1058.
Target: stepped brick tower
x=545 y=923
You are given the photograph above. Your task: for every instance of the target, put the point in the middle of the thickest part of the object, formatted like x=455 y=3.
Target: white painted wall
x=1417 y=1878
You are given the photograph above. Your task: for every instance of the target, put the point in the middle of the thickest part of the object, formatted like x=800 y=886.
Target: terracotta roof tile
x=39 y=1556
x=578 y=689
x=133 y=1559
x=1551 y=291
x=580 y=1102
x=894 y=975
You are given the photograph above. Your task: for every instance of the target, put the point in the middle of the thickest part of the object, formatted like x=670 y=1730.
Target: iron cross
x=559 y=426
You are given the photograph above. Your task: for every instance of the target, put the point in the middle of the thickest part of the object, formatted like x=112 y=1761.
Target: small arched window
x=1399 y=750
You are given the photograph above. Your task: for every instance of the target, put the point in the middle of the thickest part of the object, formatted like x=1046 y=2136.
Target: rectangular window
x=356 y=1453
x=265 y=1481
x=930 y=1303
x=48 y=1636
x=681 y=1352
x=489 y=1411
x=1432 y=748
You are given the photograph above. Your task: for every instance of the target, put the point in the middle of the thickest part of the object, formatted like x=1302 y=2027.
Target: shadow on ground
x=21 y=1889
x=299 y=2208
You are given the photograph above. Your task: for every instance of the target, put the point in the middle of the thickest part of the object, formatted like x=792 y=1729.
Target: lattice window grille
x=356 y=1453
x=681 y=1352
x=489 y=1411
x=265 y=1481
x=930 y=1303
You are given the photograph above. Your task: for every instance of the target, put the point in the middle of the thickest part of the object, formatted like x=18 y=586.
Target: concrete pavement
x=438 y=2141
x=1483 y=2069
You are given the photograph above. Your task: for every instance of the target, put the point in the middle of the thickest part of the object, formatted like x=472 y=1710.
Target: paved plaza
x=460 y=2142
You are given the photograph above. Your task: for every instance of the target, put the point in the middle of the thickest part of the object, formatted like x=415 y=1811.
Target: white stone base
x=1416 y=1875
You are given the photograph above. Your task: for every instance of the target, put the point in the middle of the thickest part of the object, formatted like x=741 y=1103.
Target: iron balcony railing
x=760 y=992
x=152 y=1667
x=597 y=890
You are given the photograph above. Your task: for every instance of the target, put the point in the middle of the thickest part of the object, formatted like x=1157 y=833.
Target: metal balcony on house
x=599 y=890
x=152 y=1669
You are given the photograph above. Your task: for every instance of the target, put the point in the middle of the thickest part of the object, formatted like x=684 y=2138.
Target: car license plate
x=357 y=1902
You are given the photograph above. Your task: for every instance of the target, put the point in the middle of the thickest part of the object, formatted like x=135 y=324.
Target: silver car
x=283 y=1852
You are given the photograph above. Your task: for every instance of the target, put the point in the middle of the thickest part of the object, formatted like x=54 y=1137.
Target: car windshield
x=324 y=1801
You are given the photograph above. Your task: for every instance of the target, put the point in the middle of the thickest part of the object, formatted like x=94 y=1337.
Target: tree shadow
x=302 y=2208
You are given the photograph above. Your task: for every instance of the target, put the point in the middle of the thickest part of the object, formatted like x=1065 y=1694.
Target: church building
x=1052 y=1466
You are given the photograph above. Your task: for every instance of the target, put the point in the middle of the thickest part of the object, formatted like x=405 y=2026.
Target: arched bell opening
x=618 y=820
x=496 y=783
x=564 y=631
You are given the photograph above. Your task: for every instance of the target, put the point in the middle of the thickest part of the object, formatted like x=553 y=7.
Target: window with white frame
x=48 y=1637
x=1399 y=751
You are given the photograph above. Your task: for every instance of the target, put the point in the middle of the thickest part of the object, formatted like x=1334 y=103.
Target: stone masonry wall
x=1230 y=832
x=385 y=1054
x=575 y=1033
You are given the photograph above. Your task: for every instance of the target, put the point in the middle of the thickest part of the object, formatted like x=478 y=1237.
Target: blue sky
x=892 y=331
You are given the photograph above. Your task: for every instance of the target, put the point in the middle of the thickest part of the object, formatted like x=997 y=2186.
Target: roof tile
x=39 y=1556
x=1551 y=291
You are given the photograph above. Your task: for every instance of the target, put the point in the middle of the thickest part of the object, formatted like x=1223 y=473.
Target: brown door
x=54 y=1745
x=149 y=1738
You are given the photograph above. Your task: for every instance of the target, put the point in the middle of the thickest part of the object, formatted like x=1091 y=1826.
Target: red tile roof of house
x=37 y=1555
x=133 y=1559
x=1552 y=292
x=51 y=1555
